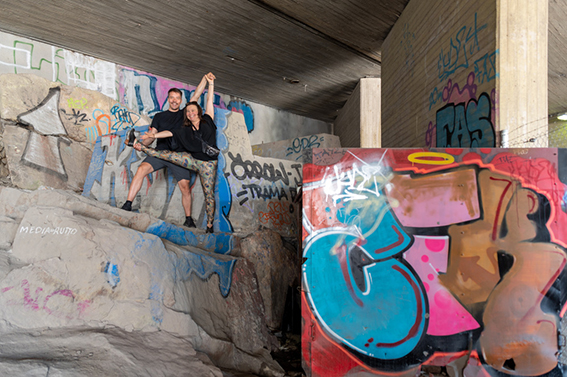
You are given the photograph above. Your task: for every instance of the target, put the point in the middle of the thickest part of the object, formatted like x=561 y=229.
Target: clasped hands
x=149 y=135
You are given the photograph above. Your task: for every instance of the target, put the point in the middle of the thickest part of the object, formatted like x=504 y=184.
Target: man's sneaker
x=209 y=230
x=130 y=138
x=127 y=206
x=189 y=223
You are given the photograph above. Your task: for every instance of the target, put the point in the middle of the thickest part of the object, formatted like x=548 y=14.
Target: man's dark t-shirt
x=188 y=142
x=167 y=121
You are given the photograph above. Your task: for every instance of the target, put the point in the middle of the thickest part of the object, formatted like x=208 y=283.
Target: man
x=167 y=120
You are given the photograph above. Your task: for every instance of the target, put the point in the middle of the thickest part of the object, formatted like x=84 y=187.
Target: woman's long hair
x=186 y=121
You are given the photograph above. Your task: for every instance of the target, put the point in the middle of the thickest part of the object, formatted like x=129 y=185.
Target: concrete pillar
x=358 y=123
x=442 y=57
x=522 y=61
x=347 y=124
x=370 y=113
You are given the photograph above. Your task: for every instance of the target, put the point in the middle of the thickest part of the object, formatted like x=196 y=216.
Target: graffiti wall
x=250 y=191
x=21 y=55
x=48 y=127
x=148 y=94
x=440 y=77
x=448 y=258
x=142 y=92
x=296 y=149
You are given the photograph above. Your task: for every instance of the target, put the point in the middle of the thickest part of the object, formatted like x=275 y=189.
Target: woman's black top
x=186 y=139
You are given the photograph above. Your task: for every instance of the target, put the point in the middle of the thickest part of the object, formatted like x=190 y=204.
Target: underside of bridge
x=301 y=56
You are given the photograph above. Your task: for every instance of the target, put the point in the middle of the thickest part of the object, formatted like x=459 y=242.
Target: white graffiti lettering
x=354 y=184
x=64 y=231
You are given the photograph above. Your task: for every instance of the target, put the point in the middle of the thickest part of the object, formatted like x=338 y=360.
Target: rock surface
x=87 y=289
x=75 y=282
x=277 y=269
x=89 y=352
x=35 y=160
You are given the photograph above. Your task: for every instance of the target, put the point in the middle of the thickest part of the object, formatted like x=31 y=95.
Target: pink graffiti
x=34 y=302
x=162 y=86
x=453 y=94
x=429 y=257
x=430 y=134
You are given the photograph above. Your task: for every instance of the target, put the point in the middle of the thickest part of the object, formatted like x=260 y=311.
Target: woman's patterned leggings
x=207 y=173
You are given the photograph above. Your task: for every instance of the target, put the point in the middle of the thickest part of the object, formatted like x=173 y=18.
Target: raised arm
x=209 y=108
x=200 y=89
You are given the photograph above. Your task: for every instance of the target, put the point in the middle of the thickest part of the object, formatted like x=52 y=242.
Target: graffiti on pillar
x=466 y=120
x=465 y=112
x=466 y=124
x=408 y=39
x=459 y=50
x=445 y=257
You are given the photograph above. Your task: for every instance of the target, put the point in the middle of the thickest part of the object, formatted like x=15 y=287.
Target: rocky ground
x=288 y=356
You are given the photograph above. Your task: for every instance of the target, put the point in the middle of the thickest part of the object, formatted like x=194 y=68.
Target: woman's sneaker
x=130 y=138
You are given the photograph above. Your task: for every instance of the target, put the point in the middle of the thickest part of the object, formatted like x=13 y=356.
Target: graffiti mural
x=143 y=93
x=441 y=257
x=22 y=55
x=296 y=149
x=38 y=147
x=465 y=110
x=250 y=191
x=148 y=93
x=254 y=191
x=466 y=120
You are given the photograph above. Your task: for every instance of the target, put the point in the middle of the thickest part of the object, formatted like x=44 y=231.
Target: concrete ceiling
x=301 y=56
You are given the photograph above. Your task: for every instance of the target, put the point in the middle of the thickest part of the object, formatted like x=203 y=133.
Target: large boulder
x=277 y=268
x=72 y=269
x=89 y=352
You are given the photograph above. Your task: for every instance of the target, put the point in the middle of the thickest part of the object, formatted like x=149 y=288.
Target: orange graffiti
x=278 y=216
x=505 y=263
x=109 y=124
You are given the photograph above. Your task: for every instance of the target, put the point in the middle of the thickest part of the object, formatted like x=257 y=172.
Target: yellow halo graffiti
x=417 y=158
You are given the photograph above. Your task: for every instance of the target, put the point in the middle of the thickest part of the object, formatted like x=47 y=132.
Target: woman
x=198 y=128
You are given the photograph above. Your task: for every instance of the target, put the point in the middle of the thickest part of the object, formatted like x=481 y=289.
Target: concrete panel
x=522 y=84
x=396 y=285
x=295 y=149
x=370 y=112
